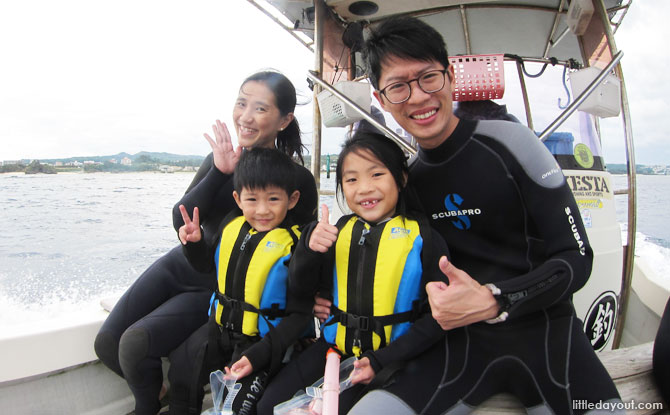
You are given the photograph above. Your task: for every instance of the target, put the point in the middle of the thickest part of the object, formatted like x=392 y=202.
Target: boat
x=621 y=305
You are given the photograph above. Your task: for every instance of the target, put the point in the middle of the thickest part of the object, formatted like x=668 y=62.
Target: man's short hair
x=260 y=168
x=406 y=38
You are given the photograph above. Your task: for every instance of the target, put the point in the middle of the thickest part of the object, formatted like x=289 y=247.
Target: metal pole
x=629 y=252
x=573 y=107
x=524 y=91
x=392 y=135
x=466 y=31
x=319 y=15
x=553 y=29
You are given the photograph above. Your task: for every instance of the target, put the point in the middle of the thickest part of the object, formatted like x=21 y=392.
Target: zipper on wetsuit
x=238 y=266
x=365 y=232
x=359 y=283
x=244 y=241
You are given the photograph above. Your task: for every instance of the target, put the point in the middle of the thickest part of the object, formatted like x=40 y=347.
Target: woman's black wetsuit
x=169 y=301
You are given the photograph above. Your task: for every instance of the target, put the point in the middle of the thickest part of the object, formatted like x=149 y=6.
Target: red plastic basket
x=478 y=77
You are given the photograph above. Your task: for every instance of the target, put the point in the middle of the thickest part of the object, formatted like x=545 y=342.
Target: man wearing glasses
x=498 y=198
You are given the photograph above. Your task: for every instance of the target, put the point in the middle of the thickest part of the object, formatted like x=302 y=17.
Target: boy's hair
x=387 y=152
x=406 y=38
x=260 y=168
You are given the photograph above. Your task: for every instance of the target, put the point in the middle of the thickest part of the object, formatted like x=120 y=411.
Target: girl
x=169 y=301
x=374 y=263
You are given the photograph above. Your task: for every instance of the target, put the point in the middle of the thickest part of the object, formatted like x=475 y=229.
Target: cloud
x=92 y=78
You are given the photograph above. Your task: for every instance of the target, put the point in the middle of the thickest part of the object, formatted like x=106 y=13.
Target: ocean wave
x=657 y=259
x=62 y=306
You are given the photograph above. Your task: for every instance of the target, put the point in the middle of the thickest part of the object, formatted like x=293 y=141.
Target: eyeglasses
x=429 y=82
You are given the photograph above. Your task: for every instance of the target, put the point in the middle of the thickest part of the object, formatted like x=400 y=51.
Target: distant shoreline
x=20 y=173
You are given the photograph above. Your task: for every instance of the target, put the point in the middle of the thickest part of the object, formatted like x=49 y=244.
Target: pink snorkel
x=331 y=383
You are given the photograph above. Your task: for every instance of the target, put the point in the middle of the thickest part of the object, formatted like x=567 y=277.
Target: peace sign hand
x=225 y=158
x=324 y=234
x=190 y=230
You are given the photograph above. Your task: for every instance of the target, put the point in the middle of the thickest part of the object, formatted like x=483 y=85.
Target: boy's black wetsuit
x=169 y=301
x=242 y=250
x=500 y=201
x=306 y=268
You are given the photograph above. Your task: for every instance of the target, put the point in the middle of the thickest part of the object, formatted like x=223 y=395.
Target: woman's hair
x=288 y=140
x=261 y=167
x=388 y=153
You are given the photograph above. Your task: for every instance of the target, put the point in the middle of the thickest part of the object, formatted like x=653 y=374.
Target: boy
x=250 y=254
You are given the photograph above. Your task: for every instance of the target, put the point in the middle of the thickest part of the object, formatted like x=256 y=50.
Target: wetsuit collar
x=372 y=224
x=458 y=137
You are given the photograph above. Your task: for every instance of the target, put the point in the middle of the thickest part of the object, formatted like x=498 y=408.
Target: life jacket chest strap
x=232 y=309
x=373 y=323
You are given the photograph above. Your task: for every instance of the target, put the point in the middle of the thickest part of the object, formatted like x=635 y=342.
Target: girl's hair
x=389 y=154
x=288 y=140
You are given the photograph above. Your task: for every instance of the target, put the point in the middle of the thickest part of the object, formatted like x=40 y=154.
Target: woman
x=169 y=301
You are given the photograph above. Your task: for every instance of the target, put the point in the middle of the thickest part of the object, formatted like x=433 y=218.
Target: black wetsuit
x=264 y=353
x=169 y=301
x=498 y=198
x=661 y=357
x=304 y=283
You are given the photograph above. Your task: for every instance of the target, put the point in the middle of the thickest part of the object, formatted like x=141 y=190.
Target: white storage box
x=579 y=16
x=605 y=101
x=336 y=113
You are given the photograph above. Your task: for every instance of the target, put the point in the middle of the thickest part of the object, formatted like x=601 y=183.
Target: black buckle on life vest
x=273 y=312
x=355 y=322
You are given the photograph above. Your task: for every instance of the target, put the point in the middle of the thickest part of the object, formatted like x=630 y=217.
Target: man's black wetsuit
x=169 y=301
x=498 y=198
x=661 y=355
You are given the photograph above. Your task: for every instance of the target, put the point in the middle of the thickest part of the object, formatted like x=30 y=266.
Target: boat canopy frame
x=320 y=12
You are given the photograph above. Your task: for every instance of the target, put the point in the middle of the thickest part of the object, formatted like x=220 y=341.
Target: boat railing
x=581 y=98
x=362 y=112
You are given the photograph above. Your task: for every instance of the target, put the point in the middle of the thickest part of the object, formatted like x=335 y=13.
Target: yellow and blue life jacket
x=376 y=283
x=252 y=276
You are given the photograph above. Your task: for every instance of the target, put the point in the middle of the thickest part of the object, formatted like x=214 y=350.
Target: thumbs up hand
x=324 y=234
x=463 y=302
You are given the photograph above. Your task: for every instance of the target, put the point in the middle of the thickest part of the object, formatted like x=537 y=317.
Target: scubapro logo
x=600 y=320
x=461 y=217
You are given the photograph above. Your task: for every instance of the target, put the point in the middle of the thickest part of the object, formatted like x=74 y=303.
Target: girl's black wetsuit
x=498 y=198
x=311 y=271
x=169 y=301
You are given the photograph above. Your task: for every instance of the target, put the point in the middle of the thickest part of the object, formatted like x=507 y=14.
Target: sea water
x=69 y=240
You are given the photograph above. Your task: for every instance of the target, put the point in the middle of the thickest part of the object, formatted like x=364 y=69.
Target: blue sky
x=97 y=77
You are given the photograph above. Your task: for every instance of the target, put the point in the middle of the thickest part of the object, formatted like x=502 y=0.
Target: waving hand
x=225 y=157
